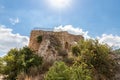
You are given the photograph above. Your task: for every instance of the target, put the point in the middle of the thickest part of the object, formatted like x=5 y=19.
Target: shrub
x=81 y=72
x=17 y=61
x=94 y=54
x=39 y=39
x=75 y=50
x=60 y=71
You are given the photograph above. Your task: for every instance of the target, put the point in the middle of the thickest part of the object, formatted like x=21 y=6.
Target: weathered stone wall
x=64 y=37
x=53 y=44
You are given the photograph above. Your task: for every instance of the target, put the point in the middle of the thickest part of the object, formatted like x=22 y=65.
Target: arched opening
x=66 y=45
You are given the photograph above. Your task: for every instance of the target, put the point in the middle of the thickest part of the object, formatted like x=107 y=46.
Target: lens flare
x=59 y=4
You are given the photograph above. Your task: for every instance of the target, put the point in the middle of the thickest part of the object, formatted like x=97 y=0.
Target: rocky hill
x=54 y=46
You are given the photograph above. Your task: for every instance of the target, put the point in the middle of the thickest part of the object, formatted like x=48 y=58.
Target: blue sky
x=101 y=18
x=95 y=16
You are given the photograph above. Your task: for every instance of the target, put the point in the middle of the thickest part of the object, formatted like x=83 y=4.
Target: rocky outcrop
x=52 y=43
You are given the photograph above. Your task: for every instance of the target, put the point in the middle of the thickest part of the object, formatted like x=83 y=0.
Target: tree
x=60 y=71
x=80 y=71
x=95 y=54
x=11 y=67
x=17 y=61
x=28 y=59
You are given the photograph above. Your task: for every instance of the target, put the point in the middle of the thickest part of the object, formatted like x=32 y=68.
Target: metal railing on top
x=45 y=29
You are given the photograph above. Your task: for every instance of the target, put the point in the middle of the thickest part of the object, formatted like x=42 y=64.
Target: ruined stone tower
x=52 y=43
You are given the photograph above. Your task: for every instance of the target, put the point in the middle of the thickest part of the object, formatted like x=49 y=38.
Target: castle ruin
x=52 y=42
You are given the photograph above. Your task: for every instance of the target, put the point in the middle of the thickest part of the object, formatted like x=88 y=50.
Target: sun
x=59 y=4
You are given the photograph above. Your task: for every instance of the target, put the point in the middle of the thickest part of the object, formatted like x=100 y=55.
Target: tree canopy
x=94 y=54
x=17 y=61
x=60 y=71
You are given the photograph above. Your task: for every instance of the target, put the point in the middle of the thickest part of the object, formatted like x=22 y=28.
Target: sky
x=91 y=18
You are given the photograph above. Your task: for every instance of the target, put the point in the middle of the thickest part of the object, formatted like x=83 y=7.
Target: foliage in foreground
x=96 y=55
x=60 y=71
x=17 y=61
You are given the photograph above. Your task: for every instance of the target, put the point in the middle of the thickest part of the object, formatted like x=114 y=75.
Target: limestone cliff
x=53 y=44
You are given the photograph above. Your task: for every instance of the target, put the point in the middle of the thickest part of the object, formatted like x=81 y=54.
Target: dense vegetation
x=90 y=58
x=93 y=53
x=60 y=71
x=18 y=61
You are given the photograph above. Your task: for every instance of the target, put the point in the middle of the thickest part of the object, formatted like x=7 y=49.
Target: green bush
x=19 y=60
x=81 y=72
x=60 y=71
x=39 y=39
x=75 y=50
x=94 y=54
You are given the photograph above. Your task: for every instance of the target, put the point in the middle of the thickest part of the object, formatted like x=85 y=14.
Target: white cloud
x=14 y=21
x=111 y=40
x=72 y=30
x=9 y=40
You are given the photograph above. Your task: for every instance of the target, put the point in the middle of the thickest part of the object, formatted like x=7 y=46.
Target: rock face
x=52 y=44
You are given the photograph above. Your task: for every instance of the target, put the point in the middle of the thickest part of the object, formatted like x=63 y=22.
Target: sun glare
x=59 y=4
